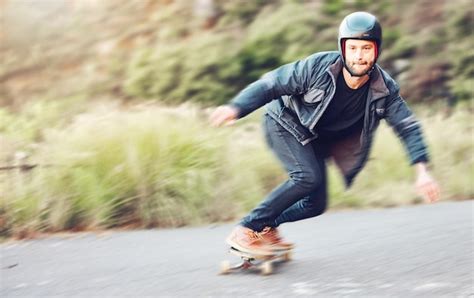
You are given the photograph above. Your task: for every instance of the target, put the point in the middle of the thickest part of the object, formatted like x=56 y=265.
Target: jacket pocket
x=313 y=96
x=291 y=123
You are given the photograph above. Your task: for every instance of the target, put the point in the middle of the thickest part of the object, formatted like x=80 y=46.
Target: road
x=423 y=250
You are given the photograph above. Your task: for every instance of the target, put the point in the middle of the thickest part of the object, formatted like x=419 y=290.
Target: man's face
x=359 y=55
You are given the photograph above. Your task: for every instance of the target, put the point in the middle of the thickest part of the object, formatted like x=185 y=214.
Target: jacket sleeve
x=289 y=79
x=407 y=127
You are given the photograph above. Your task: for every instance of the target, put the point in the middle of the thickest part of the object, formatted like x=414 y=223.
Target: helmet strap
x=368 y=72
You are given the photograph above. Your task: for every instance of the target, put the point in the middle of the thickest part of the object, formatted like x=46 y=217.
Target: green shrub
x=460 y=22
x=211 y=68
x=242 y=11
x=166 y=167
x=29 y=123
x=333 y=7
x=202 y=70
x=404 y=47
x=155 y=167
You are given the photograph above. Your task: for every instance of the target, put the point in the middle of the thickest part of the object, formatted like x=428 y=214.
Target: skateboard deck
x=264 y=263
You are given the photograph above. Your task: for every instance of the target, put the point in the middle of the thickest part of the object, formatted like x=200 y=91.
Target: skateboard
x=264 y=263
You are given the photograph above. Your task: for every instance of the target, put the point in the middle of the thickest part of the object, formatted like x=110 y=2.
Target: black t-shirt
x=345 y=113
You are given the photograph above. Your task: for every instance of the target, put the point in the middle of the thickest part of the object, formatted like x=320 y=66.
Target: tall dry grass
x=150 y=166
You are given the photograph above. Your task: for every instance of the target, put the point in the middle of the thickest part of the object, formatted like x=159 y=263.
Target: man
x=327 y=105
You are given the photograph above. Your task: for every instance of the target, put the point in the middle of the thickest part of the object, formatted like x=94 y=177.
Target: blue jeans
x=304 y=194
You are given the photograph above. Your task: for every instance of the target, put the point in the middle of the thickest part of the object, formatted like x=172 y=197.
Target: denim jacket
x=297 y=94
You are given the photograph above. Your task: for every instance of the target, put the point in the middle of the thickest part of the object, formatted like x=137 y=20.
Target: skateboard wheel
x=225 y=267
x=288 y=256
x=267 y=268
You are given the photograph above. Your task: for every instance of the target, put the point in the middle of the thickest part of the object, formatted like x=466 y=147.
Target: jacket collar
x=378 y=88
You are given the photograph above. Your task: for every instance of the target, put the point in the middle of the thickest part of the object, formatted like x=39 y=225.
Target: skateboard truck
x=264 y=263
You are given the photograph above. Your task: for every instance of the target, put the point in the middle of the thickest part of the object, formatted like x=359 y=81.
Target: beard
x=359 y=69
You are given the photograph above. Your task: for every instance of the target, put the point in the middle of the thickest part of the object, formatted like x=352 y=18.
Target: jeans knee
x=316 y=208
x=320 y=210
x=307 y=181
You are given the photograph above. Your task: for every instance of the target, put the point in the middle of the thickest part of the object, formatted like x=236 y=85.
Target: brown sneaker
x=272 y=237
x=247 y=240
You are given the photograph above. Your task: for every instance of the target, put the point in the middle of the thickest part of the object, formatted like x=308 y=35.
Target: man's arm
x=408 y=129
x=292 y=78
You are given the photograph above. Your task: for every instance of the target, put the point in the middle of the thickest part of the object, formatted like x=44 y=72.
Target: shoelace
x=253 y=235
x=272 y=234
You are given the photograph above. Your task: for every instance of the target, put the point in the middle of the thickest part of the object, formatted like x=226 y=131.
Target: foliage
x=155 y=166
x=211 y=68
x=254 y=37
x=203 y=70
x=460 y=24
x=29 y=124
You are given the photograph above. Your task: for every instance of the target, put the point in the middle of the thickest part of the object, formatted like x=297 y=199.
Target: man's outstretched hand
x=224 y=115
x=425 y=185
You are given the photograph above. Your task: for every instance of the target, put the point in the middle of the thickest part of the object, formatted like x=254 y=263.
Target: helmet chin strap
x=368 y=72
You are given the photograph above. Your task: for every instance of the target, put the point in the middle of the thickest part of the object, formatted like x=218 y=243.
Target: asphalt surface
x=417 y=251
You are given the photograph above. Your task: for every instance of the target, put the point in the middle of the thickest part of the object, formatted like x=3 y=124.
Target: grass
x=152 y=166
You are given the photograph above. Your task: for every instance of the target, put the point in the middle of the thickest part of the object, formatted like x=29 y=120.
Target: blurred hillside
x=75 y=73
x=207 y=50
